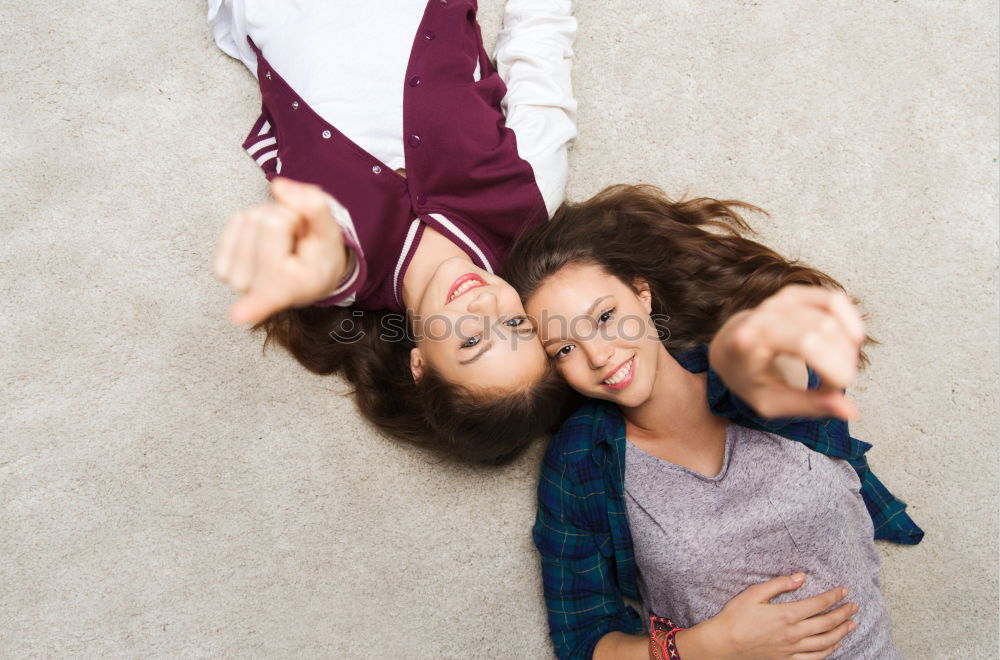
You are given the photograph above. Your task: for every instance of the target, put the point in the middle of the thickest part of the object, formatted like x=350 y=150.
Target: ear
x=416 y=364
x=641 y=287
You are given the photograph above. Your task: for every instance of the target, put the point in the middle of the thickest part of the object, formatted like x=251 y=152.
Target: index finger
x=845 y=310
x=807 y=607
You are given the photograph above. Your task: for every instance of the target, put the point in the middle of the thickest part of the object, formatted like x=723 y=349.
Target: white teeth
x=620 y=375
x=465 y=286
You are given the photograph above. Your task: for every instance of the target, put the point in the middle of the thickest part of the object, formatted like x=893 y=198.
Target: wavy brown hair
x=695 y=254
x=371 y=351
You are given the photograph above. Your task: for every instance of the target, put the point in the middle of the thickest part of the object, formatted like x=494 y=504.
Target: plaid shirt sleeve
x=578 y=575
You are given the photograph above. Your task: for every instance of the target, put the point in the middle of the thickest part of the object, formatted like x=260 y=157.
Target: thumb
x=784 y=401
x=251 y=309
x=309 y=201
x=765 y=591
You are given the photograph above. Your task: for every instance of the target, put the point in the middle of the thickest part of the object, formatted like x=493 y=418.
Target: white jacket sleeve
x=534 y=55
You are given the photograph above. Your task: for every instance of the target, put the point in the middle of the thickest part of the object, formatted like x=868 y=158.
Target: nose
x=485 y=303
x=598 y=352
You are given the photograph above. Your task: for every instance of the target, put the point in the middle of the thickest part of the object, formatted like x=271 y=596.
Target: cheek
x=573 y=373
x=631 y=328
x=511 y=302
x=436 y=328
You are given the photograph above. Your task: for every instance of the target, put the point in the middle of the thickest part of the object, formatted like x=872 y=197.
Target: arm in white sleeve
x=534 y=56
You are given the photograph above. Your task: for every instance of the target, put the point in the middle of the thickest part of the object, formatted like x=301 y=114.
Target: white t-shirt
x=348 y=58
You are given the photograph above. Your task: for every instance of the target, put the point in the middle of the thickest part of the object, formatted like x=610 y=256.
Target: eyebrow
x=590 y=311
x=478 y=355
x=597 y=302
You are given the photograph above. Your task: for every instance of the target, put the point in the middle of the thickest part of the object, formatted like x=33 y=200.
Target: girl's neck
x=432 y=249
x=678 y=408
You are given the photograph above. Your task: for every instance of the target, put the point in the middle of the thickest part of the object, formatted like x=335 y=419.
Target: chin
x=619 y=398
x=633 y=399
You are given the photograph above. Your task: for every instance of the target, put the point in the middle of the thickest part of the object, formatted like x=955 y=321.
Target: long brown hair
x=700 y=265
x=372 y=351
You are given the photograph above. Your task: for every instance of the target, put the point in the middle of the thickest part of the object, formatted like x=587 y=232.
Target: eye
x=563 y=351
x=471 y=341
x=606 y=315
x=515 y=322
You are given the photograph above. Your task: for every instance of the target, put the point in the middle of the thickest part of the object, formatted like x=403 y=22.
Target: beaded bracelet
x=661 y=638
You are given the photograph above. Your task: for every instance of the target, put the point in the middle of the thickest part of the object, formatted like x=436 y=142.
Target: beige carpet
x=169 y=491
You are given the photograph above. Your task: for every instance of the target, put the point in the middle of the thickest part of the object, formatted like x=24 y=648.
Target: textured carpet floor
x=169 y=491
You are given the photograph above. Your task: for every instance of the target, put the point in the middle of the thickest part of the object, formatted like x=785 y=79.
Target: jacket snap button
x=326 y=135
x=295 y=105
x=414 y=141
x=414 y=81
x=376 y=169
x=429 y=35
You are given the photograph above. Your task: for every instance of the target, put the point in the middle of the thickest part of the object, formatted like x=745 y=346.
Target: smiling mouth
x=463 y=285
x=620 y=378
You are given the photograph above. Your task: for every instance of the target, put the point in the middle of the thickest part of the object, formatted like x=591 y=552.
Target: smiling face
x=599 y=332
x=472 y=329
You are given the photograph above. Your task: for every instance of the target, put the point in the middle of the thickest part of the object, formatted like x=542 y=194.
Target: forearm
x=700 y=642
x=620 y=646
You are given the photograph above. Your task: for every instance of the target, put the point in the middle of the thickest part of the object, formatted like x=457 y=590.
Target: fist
x=762 y=353
x=283 y=254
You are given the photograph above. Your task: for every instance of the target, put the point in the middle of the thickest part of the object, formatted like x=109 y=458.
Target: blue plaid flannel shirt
x=581 y=529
